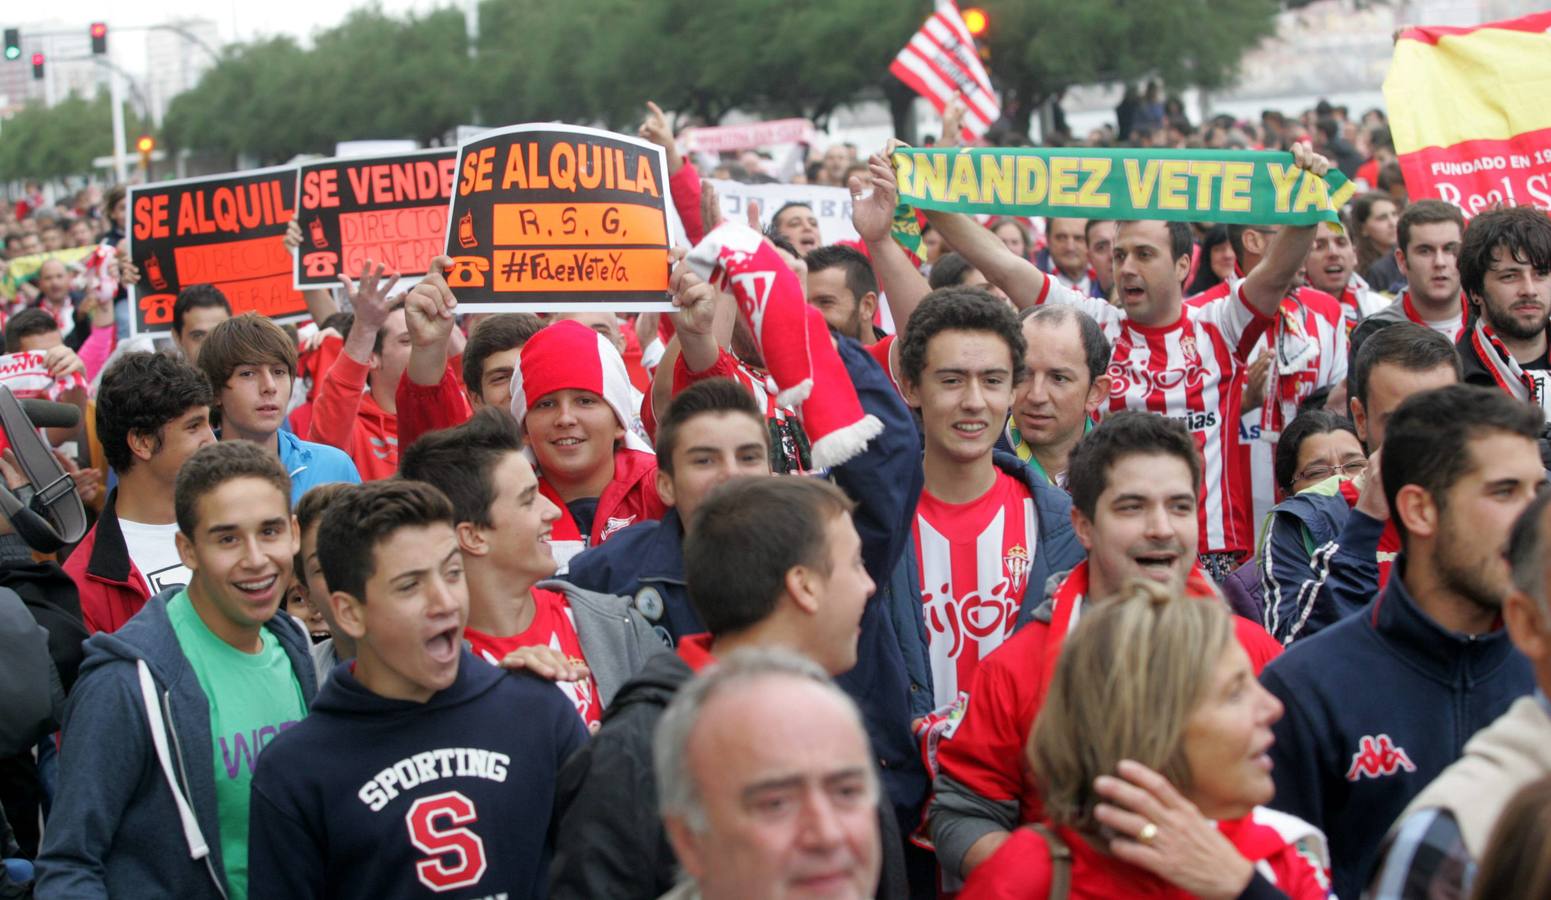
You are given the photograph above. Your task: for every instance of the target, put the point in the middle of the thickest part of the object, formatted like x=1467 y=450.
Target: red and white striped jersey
x=1311 y=347
x=974 y=561
x=1188 y=371
x=1359 y=301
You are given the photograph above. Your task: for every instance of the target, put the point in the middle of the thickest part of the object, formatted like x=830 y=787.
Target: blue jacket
x=310 y=464
x=1377 y=705
x=1057 y=551
x=120 y=833
x=646 y=562
x=1295 y=566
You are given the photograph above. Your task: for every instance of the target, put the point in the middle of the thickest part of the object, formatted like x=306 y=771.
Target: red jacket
x=111 y=588
x=344 y=415
x=1276 y=842
x=422 y=408
x=985 y=752
x=629 y=498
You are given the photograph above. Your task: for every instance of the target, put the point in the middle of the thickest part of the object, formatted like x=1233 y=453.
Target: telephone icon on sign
x=320 y=265
x=467 y=271
x=153 y=271
x=466 y=238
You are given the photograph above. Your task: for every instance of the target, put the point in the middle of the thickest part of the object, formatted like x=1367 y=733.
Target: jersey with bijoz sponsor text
x=1187 y=371
x=974 y=561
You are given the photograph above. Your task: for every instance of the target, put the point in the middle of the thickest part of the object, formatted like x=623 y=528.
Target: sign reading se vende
x=225 y=230
x=557 y=218
x=391 y=210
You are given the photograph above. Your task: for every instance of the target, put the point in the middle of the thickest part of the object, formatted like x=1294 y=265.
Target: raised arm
x=1020 y=279
x=1270 y=280
x=873 y=199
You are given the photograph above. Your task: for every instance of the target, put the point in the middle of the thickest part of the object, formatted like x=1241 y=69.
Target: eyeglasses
x=1320 y=473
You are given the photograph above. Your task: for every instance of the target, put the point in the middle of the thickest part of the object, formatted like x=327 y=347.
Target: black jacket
x=610 y=841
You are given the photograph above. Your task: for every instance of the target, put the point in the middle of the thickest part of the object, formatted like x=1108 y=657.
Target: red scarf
x=793 y=339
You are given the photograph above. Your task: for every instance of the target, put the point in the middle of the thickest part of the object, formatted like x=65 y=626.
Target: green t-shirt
x=253 y=697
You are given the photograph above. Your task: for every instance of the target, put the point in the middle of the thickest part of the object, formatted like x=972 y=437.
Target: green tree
x=56 y=142
x=260 y=100
x=1040 y=47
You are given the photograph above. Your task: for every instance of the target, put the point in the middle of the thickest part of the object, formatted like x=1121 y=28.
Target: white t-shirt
x=154 y=551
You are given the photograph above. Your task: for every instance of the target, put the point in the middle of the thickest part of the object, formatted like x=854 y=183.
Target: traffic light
x=13 y=44
x=37 y=67
x=99 y=38
x=976 y=21
x=145 y=145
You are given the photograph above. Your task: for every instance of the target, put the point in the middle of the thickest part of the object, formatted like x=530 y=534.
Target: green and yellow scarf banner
x=1221 y=186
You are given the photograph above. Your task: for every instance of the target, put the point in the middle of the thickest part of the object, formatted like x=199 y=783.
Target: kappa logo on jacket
x=1377 y=756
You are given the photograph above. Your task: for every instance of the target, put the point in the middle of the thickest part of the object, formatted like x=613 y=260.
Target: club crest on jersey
x=1187 y=349
x=1377 y=756
x=1015 y=565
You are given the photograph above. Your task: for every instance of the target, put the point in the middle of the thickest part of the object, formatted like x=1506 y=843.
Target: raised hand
x=369 y=296
x=694 y=298
x=1304 y=157
x=293 y=235
x=952 y=121
x=430 y=307
x=710 y=206
x=657 y=130
x=873 y=199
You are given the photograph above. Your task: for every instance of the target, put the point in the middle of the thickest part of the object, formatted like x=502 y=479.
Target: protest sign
x=559 y=218
x=225 y=230
x=389 y=209
x=830 y=205
x=1224 y=186
x=749 y=136
x=1468 y=113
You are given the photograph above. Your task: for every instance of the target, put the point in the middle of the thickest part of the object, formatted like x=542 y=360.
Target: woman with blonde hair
x=1150 y=755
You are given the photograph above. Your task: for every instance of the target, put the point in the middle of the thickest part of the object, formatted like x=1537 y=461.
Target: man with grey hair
x=1433 y=848
x=1068 y=363
x=759 y=802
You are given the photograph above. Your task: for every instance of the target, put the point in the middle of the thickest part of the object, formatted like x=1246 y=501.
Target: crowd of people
x=1094 y=559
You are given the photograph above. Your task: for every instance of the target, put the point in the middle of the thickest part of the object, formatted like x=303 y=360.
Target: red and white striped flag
x=940 y=61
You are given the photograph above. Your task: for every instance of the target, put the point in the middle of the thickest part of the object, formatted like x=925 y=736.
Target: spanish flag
x=1470 y=112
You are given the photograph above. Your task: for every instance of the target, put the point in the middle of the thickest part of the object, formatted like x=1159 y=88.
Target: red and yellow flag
x=1470 y=111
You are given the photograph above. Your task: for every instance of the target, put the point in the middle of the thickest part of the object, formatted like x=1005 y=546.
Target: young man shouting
x=503 y=524
x=420 y=770
x=1135 y=483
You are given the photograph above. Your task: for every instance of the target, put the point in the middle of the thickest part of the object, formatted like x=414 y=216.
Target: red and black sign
x=388 y=209
x=225 y=230
x=559 y=218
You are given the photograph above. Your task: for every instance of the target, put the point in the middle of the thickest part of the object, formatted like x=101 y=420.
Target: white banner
x=831 y=205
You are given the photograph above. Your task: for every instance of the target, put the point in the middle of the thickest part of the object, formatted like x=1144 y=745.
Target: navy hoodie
x=1378 y=705
x=376 y=798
